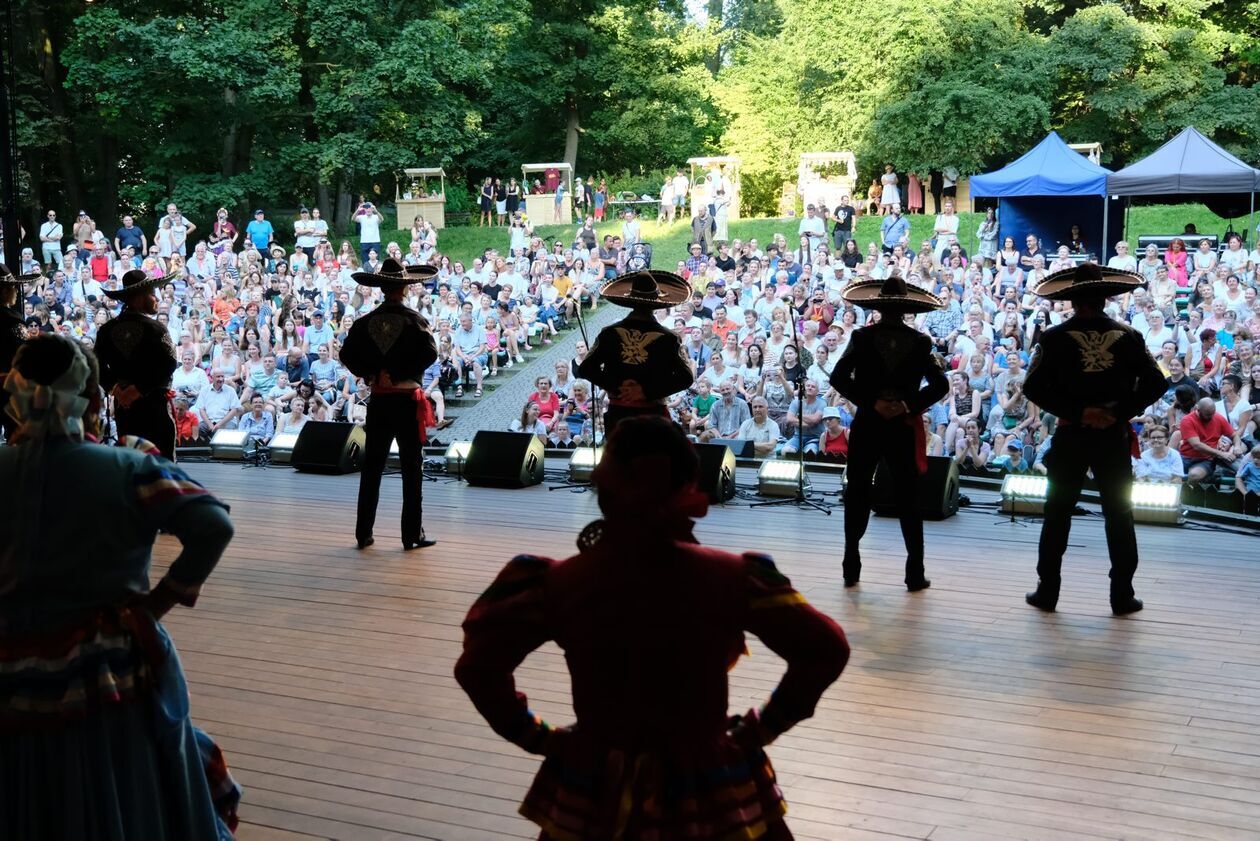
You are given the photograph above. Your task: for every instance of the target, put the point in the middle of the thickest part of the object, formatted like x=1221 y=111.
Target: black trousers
x=391 y=417
x=148 y=417
x=1073 y=451
x=871 y=440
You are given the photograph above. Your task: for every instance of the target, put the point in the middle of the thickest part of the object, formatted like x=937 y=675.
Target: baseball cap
x=258 y=211
x=1014 y=446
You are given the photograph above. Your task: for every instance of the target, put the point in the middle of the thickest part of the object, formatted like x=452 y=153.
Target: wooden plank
x=326 y=674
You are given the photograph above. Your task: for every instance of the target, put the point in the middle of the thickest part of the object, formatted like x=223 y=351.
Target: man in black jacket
x=390 y=348
x=1092 y=373
x=636 y=361
x=882 y=373
x=137 y=359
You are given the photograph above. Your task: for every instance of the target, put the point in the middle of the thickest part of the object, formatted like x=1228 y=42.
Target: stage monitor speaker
x=938 y=490
x=505 y=460
x=326 y=447
x=717 y=471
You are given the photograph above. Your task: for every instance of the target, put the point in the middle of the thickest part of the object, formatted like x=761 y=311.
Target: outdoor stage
x=964 y=715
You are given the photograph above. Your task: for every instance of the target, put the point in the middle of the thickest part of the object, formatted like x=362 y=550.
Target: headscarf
x=49 y=411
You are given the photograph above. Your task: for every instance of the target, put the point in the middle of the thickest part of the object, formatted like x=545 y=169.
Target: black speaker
x=938 y=490
x=326 y=447
x=717 y=471
x=505 y=460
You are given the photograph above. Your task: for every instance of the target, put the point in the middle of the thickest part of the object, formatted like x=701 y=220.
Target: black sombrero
x=649 y=288
x=1088 y=280
x=892 y=294
x=391 y=273
x=136 y=281
x=419 y=274
x=11 y=279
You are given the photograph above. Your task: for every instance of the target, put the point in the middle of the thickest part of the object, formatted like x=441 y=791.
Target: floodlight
x=456 y=456
x=1156 y=502
x=282 y=444
x=583 y=463
x=778 y=478
x=228 y=444
x=1024 y=494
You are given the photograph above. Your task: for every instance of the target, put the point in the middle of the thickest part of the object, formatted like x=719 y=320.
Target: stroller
x=640 y=257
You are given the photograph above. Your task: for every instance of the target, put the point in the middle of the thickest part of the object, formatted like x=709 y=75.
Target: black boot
x=365 y=541
x=1045 y=597
x=916 y=578
x=852 y=569
x=420 y=542
x=1125 y=605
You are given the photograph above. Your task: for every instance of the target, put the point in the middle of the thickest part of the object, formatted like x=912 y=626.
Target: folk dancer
x=390 y=348
x=1093 y=374
x=891 y=375
x=137 y=359
x=637 y=361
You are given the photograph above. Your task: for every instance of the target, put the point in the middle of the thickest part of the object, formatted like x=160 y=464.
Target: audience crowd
x=257 y=327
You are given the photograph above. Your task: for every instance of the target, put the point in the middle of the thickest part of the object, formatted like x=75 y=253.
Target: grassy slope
x=670 y=242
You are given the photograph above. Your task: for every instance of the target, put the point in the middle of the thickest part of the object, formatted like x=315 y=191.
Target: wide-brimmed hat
x=1088 y=280
x=892 y=294
x=135 y=281
x=8 y=277
x=649 y=288
x=419 y=274
x=391 y=273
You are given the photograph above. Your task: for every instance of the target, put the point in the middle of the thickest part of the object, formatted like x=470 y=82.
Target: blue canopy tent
x=1047 y=190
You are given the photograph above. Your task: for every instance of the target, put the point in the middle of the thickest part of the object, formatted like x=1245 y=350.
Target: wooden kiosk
x=541 y=208
x=825 y=177
x=704 y=171
x=414 y=196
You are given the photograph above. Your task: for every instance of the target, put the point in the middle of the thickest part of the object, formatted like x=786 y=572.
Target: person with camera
x=369 y=220
x=891 y=375
x=1093 y=374
x=390 y=348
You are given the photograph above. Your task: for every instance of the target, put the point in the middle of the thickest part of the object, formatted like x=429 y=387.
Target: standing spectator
x=889 y=195
x=500 y=202
x=223 y=233
x=987 y=236
x=369 y=220
x=51 y=233
x=812 y=226
x=630 y=229
x=1247 y=482
x=842 y=231
x=304 y=234
x=485 y=200
x=130 y=236
x=895 y=229
x=945 y=231
x=702 y=230
x=721 y=212
x=84 y=232
x=181 y=229
x=260 y=232
x=681 y=189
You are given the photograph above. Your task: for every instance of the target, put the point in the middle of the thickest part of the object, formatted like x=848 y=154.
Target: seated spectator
x=561 y=437
x=258 y=424
x=760 y=429
x=189 y=379
x=833 y=444
x=187 y=425
x=293 y=420
x=530 y=421
x=1012 y=460
x=1247 y=482
x=217 y=406
x=469 y=351
x=1158 y=462
x=1207 y=442
x=933 y=442
x=971 y=451
x=548 y=402
x=809 y=414
x=727 y=415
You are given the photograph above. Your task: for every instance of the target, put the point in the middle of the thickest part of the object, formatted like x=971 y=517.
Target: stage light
x=778 y=478
x=282 y=444
x=583 y=463
x=228 y=444
x=1023 y=494
x=1156 y=502
x=456 y=456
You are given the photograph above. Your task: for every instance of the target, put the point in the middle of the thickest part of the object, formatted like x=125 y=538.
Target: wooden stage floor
x=964 y=715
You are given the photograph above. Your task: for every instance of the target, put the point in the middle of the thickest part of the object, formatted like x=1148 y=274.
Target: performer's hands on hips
x=127 y=396
x=889 y=409
x=1096 y=417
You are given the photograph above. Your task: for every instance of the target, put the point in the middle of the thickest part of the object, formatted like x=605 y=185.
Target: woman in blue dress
x=97 y=743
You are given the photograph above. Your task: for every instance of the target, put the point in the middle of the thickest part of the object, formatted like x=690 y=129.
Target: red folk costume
x=650 y=623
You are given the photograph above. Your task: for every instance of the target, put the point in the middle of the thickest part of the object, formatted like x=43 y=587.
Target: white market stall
x=415 y=196
x=706 y=172
x=541 y=207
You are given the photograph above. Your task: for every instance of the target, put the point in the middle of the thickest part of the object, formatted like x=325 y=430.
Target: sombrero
x=419 y=274
x=135 y=281
x=10 y=278
x=391 y=273
x=892 y=294
x=1088 y=280
x=649 y=288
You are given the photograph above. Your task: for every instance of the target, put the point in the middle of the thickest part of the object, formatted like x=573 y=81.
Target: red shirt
x=186 y=428
x=547 y=409
x=1208 y=432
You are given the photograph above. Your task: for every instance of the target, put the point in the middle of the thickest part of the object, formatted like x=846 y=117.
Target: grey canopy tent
x=1192 y=167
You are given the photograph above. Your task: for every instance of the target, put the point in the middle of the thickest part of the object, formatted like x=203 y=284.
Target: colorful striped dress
x=95 y=736
x=650 y=627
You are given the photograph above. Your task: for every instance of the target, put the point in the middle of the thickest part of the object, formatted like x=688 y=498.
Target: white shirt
x=680 y=185
x=369 y=227
x=52 y=230
x=306 y=239
x=1127 y=263
x=216 y=404
x=192 y=382
x=750 y=430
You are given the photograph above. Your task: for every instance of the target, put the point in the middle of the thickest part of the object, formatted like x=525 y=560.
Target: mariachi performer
x=1093 y=374
x=650 y=623
x=389 y=348
x=137 y=360
x=97 y=741
x=638 y=362
x=12 y=329
x=891 y=375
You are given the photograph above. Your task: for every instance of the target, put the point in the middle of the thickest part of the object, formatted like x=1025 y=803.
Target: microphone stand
x=583 y=487
x=800 y=499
